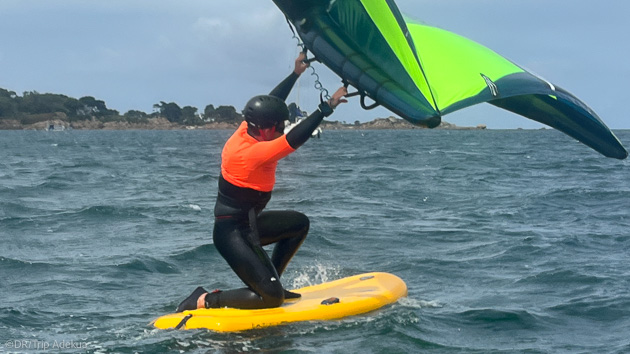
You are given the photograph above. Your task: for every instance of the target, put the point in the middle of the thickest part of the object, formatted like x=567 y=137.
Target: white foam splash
x=316 y=274
x=419 y=304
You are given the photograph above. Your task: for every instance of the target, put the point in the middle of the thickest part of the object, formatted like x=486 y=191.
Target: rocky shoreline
x=393 y=123
x=164 y=124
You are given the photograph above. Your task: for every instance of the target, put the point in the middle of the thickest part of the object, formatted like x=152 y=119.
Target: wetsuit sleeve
x=302 y=132
x=284 y=88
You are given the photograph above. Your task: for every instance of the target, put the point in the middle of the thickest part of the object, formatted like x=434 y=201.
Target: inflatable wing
x=421 y=72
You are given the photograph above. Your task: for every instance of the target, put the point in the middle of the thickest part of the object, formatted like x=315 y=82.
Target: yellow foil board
x=345 y=297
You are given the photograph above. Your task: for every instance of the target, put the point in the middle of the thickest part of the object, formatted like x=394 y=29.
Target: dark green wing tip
x=621 y=155
x=433 y=122
x=430 y=122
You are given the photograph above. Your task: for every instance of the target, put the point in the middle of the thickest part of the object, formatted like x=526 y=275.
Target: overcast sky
x=135 y=53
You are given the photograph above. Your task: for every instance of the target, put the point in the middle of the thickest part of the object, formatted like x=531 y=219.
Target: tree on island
x=174 y=114
x=170 y=111
x=8 y=106
x=93 y=107
x=222 y=114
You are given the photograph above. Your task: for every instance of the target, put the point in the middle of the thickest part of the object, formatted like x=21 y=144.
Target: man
x=241 y=228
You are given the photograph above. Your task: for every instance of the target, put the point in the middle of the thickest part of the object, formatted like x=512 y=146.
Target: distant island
x=36 y=111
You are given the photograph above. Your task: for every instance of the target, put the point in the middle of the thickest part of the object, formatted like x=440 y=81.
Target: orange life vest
x=249 y=163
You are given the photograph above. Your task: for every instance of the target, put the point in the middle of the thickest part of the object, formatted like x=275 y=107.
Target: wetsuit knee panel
x=271 y=292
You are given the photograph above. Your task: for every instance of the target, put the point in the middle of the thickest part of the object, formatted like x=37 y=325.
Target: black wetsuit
x=241 y=228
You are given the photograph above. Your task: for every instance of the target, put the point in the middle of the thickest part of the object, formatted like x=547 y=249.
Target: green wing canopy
x=421 y=72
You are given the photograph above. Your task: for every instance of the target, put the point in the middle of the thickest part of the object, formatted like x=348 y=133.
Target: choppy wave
x=10 y=264
x=198 y=252
x=500 y=319
x=147 y=264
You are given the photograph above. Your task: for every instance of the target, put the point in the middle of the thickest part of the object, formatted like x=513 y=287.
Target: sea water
x=509 y=241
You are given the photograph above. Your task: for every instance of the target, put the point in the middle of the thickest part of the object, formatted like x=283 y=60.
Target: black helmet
x=265 y=111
